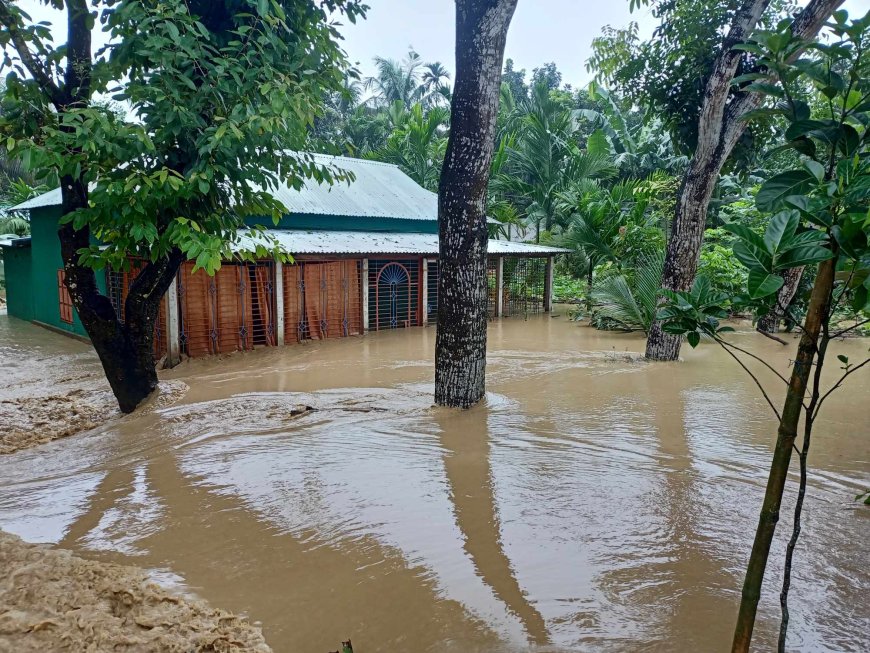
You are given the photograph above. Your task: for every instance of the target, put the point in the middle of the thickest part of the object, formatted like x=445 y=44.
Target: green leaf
x=694 y=338
x=804 y=255
x=816 y=168
x=780 y=228
x=761 y=284
x=752 y=257
x=597 y=143
x=775 y=190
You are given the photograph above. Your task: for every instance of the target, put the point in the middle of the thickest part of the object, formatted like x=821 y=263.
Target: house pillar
x=279 y=302
x=499 y=286
x=173 y=335
x=364 y=285
x=548 y=285
x=425 y=280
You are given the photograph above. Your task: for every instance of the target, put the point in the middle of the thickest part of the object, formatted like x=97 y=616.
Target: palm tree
x=629 y=302
x=435 y=83
x=397 y=81
x=417 y=143
x=547 y=159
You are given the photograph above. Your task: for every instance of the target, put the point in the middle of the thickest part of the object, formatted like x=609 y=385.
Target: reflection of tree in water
x=465 y=437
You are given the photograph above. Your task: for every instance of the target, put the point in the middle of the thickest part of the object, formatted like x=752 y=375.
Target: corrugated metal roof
x=369 y=242
x=51 y=198
x=379 y=190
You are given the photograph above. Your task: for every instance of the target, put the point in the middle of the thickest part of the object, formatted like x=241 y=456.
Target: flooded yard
x=594 y=502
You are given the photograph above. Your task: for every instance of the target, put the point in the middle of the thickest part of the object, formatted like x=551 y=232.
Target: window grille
x=322 y=300
x=523 y=292
x=432 y=291
x=233 y=310
x=394 y=294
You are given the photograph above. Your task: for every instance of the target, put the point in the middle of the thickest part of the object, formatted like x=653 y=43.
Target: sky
x=541 y=31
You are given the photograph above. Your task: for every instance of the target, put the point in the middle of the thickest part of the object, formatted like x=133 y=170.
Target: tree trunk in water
x=770 y=322
x=126 y=350
x=720 y=126
x=693 y=198
x=460 y=345
x=817 y=314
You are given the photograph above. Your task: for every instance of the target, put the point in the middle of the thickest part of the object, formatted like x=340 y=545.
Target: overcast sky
x=541 y=31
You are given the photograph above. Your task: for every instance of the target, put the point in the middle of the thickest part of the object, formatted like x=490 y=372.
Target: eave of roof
x=313 y=242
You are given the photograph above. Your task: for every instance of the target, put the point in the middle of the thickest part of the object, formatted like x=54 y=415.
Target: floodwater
x=592 y=503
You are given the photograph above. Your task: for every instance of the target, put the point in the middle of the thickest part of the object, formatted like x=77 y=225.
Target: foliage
x=417 y=143
x=667 y=73
x=627 y=300
x=568 y=289
x=410 y=81
x=223 y=93
x=719 y=265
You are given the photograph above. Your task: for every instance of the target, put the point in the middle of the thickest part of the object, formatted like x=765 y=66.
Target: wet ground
x=594 y=502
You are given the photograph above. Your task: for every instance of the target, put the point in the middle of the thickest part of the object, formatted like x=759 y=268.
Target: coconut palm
x=418 y=142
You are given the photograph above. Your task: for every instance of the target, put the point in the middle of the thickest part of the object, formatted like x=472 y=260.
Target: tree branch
x=9 y=19
x=851 y=370
x=753 y=377
x=724 y=343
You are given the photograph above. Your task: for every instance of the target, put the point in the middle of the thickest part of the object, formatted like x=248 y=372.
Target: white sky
x=541 y=31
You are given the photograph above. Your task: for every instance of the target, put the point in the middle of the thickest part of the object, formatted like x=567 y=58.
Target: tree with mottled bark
x=460 y=345
x=222 y=90
x=720 y=125
x=770 y=321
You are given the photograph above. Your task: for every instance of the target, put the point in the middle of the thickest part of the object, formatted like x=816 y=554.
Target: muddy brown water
x=592 y=503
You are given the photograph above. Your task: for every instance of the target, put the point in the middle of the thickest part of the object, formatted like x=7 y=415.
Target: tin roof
x=379 y=190
x=370 y=242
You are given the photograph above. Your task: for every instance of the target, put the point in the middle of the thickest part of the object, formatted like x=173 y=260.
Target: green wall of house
x=41 y=284
x=19 y=281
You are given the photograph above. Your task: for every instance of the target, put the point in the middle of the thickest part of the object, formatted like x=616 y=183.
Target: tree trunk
x=687 y=233
x=817 y=314
x=720 y=126
x=770 y=322
x=460 y=345
x=126 y=350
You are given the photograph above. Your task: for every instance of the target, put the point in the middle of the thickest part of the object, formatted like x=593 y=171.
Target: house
x=365 y=259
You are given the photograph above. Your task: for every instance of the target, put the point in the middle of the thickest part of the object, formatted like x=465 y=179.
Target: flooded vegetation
x=592 y=502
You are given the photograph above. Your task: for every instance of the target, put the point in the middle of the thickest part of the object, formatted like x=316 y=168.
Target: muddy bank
x=54 y=387
x=51 y=600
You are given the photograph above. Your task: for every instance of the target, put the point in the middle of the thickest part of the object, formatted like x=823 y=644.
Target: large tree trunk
x=126 y=350
x=720 y=126
x=817 y=314
x=460 y=345
x=770 y=322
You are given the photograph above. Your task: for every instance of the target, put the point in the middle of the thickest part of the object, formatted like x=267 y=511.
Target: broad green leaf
x=804 y=255
x=752 y=257
x=761 y=284
x=779 y=230
x=745 y=233
x=816 y=168
x=694 y=338
x=775 y=190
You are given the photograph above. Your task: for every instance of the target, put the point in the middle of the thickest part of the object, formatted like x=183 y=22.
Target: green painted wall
x=46 y=261
x=19 y=282
x=349 y=223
